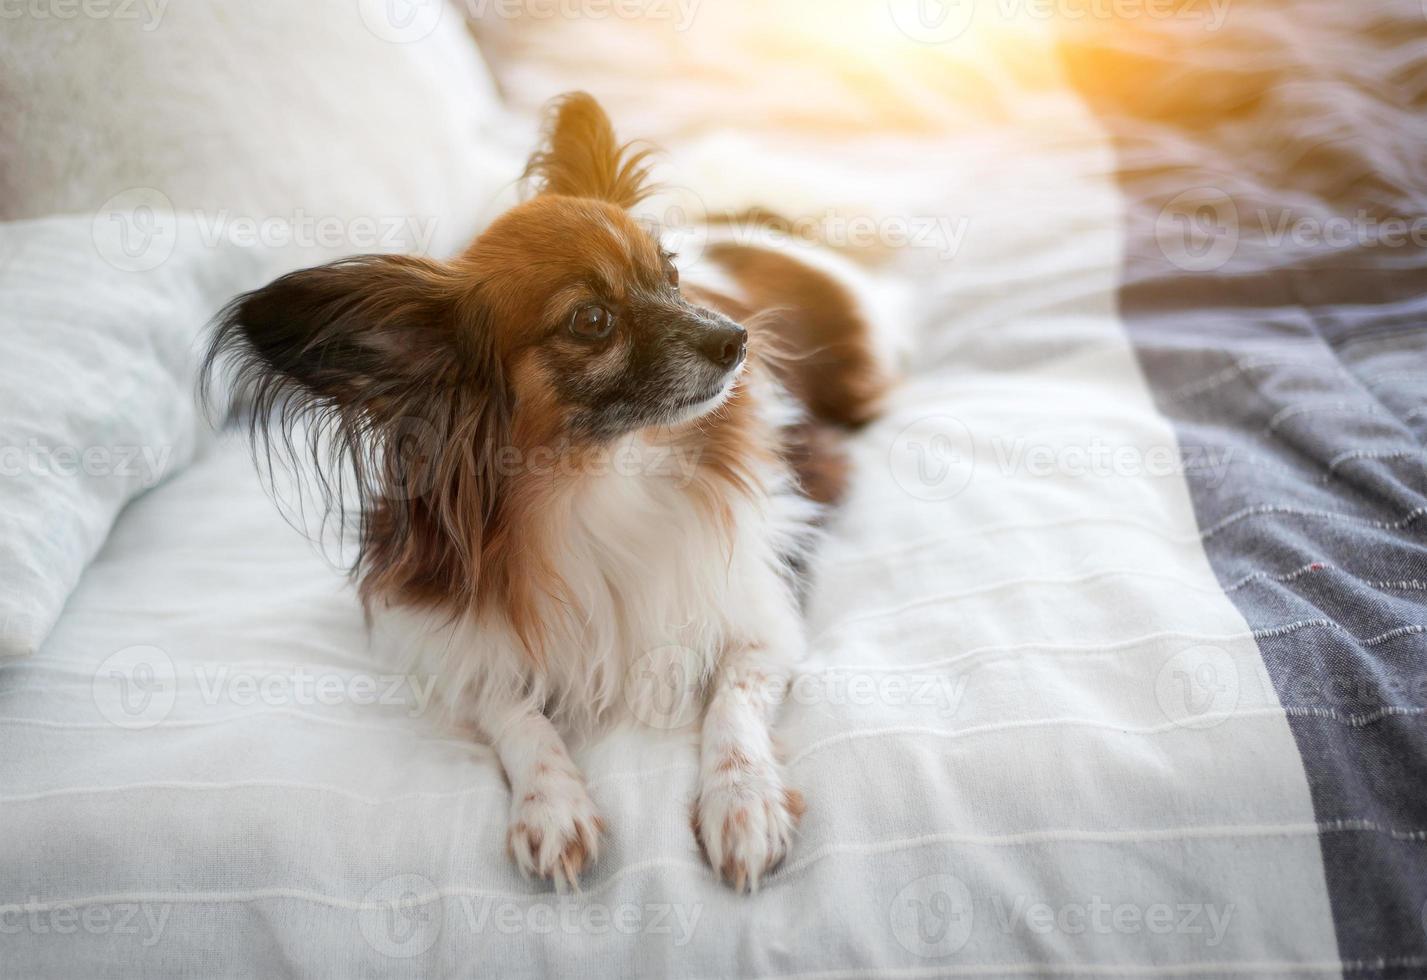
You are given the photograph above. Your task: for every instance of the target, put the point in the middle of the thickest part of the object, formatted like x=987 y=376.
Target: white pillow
x=199 y=149
x=253 y=112
x=96 y=399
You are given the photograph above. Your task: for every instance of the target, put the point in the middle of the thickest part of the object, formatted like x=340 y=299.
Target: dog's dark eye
x=671 y=273
x=592 y=323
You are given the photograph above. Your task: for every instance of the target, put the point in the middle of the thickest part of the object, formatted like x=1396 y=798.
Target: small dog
x=509 y=421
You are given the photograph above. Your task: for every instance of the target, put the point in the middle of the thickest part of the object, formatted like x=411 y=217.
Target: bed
x=1118 y=645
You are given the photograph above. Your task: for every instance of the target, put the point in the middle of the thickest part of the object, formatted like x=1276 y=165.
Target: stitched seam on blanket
x=1030 y=838
x=1010 y=584
x=1278 y=509
x=1267 y=633
x=218 y=787
x=1097 y=575
x=246 y=716
x=1223 y=376
x=1246 y=714
x=1339 y=407
x=1200 y=968
x=1195 y=466
x=1153 y=529
x=1075 y=647
x=1348 y=720
x=64 y=666
x=1102 y=837
x=1352 y=455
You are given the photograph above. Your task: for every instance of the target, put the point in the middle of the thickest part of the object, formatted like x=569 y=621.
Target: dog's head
x=586 y=312
x=561 y=327
x=564 y=317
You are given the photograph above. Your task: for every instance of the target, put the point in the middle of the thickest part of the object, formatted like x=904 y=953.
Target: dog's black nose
x=724 y=344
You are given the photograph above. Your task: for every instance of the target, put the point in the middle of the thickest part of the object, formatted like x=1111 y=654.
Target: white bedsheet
x=1033 y=790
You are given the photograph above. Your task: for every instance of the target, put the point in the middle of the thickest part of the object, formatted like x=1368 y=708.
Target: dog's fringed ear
x=352 y=333
x=378 y=375
x=580 y=156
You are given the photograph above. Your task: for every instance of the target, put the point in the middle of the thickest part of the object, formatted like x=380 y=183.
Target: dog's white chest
x=649 y=568
x=648 y=579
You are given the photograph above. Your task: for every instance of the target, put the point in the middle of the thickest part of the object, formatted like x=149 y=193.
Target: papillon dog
x=568 y=462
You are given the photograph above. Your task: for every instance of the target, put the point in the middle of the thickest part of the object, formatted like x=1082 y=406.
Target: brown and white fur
x=560 y=461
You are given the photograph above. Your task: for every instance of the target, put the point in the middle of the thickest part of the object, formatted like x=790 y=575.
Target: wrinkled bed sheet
x=1067 y=704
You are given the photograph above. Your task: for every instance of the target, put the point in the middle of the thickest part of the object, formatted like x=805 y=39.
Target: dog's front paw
x=745 y=819
x=554 y=828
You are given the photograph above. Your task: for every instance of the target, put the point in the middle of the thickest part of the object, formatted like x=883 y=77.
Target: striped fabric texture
x=1118 y=646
